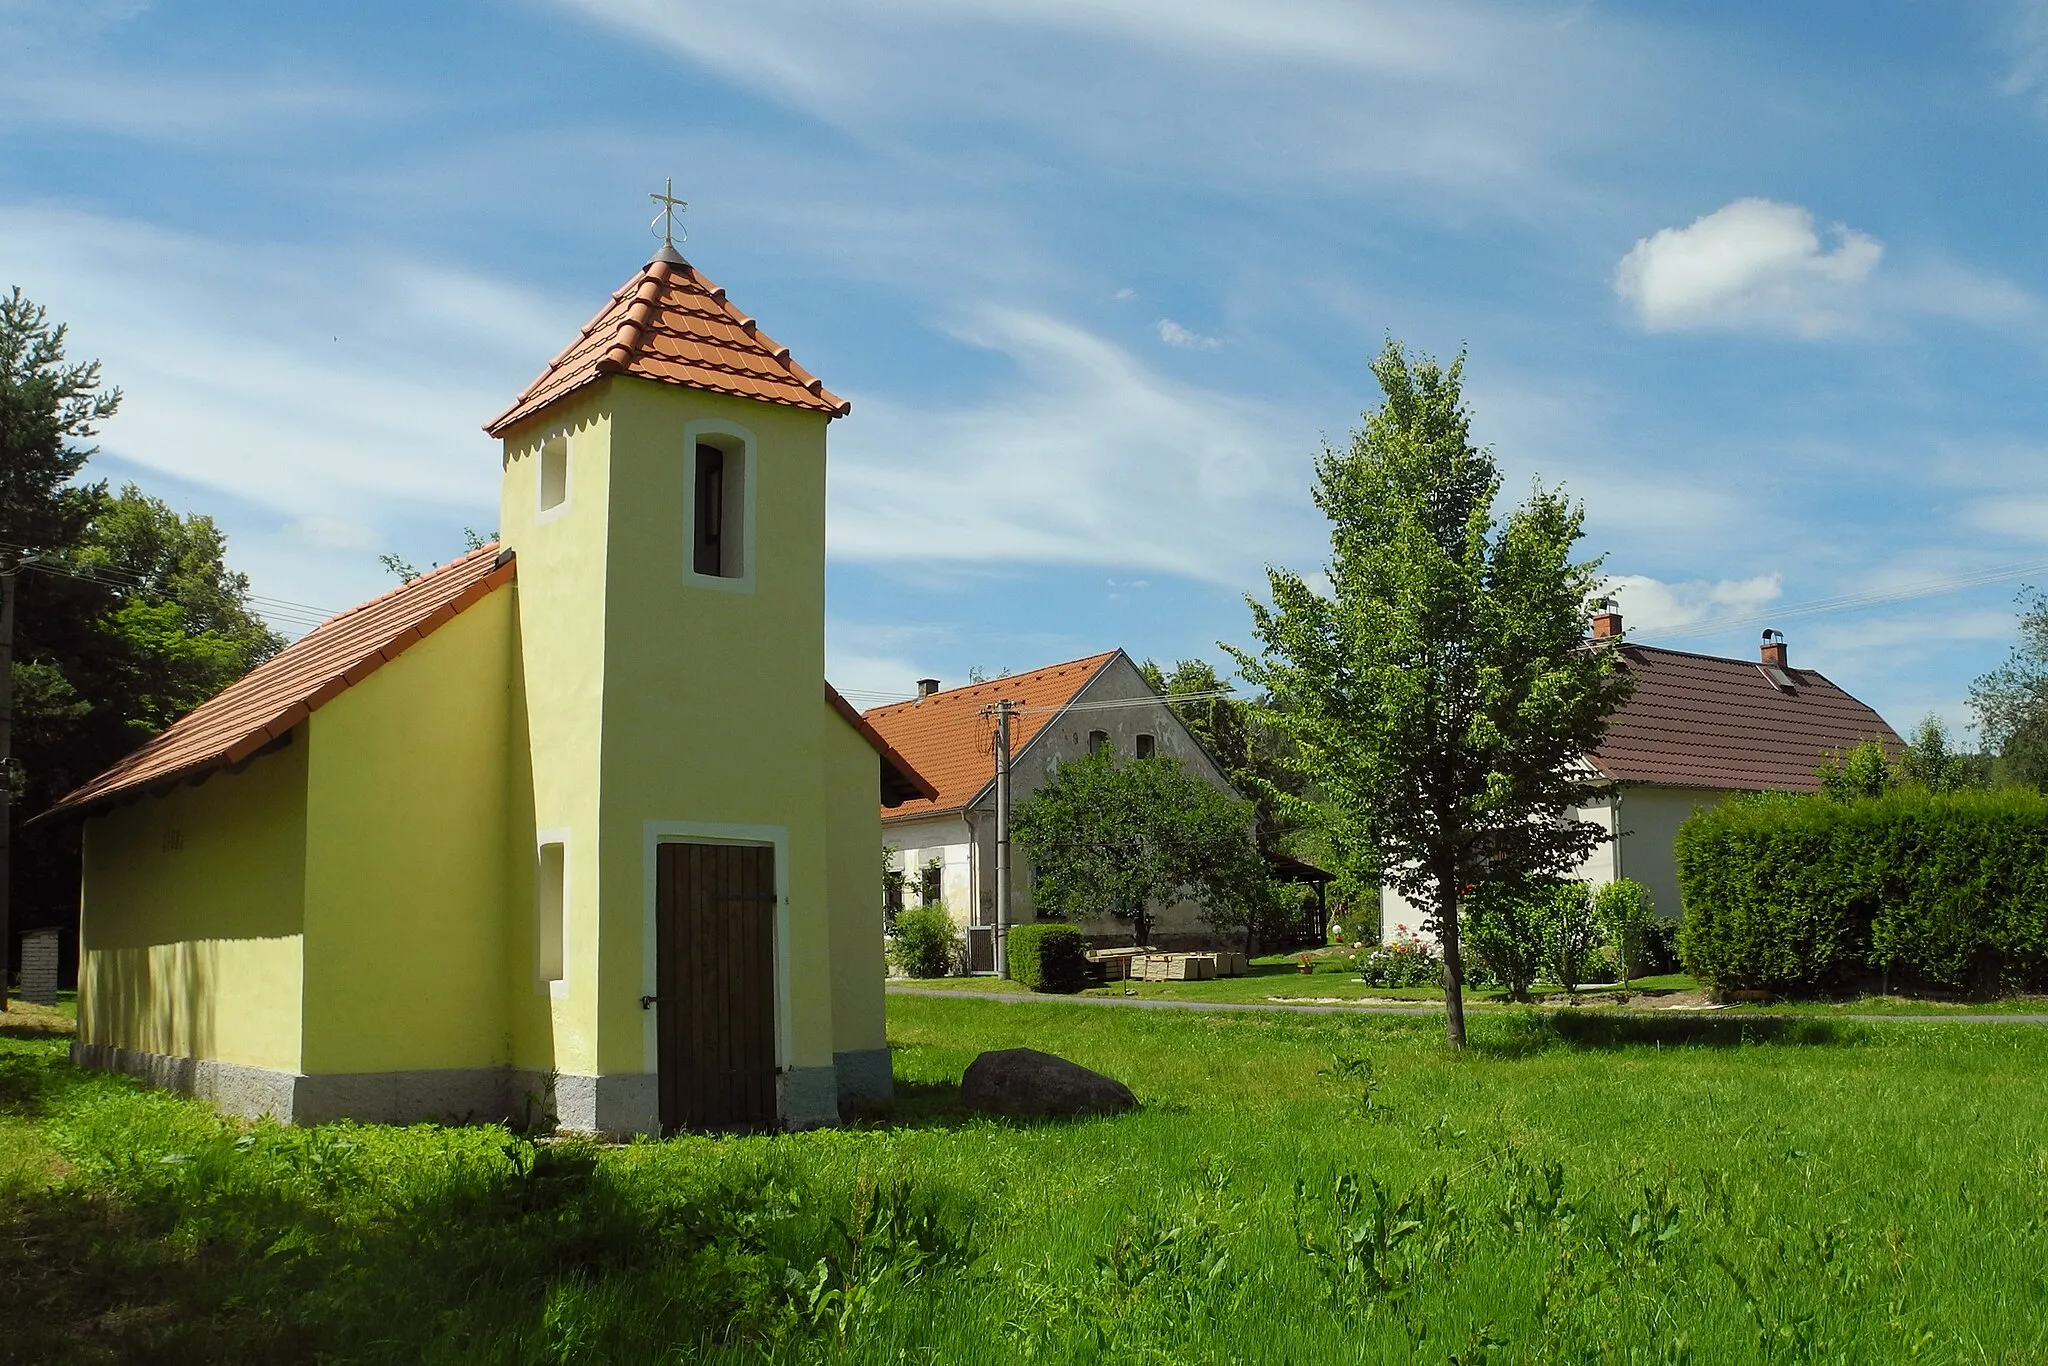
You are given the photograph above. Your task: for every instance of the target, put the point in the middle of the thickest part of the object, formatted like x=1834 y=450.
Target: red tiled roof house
x=945 y=844
x=573 y=823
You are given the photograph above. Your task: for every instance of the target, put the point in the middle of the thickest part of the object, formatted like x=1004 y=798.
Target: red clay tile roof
x=951 y=743
x=670 y=324
x=1705 y=721
x=900 y=782
x=280 y=693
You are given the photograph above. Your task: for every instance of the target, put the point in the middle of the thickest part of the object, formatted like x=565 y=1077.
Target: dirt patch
x=22 y=1020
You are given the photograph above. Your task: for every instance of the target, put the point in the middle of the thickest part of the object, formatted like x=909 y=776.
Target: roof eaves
x=912 y=778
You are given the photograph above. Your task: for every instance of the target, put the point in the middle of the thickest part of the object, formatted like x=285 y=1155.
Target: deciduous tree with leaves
x=1441 y=693
x=128 y=615
x=1113 y=837
x=2011 y=701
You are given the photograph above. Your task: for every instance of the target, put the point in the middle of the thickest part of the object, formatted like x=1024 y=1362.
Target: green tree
x=2011 y=701
x=1119 y=838
x=1865 y=771
x=1932 y=761
x=127 y=615
x=1440 y=694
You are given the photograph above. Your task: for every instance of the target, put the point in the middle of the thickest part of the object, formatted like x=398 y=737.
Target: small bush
x=926 y=944
x=1784 y=893
x=1571 y=933
x=1503 y=930
x=1406 y=962
x=1048 y=956
x=1625 y=913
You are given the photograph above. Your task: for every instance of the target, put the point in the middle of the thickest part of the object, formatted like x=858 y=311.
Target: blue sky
x=1762 y=284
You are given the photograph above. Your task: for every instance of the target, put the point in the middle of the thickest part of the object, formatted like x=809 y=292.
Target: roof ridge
x=992 y=682
x=367 y=603
x=264 y=705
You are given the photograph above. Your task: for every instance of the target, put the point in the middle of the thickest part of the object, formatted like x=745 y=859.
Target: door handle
x=648 y=1002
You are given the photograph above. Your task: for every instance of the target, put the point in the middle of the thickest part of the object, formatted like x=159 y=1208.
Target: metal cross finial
x=666 y=219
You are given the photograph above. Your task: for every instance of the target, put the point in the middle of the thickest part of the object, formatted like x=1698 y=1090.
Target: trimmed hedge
x=1048 y=956
x=1787 y=892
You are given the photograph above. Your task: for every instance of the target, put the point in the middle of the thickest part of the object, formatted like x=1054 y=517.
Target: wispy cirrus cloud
x=1085 y=456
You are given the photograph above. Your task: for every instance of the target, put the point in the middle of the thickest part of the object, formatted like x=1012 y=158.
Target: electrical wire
x=1844 y=603
x=292 y=613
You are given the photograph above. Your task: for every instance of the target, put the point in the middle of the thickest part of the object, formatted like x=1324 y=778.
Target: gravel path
x=1161 y=1003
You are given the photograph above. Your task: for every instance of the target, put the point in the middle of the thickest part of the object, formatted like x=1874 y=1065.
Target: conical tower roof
x=670 y=324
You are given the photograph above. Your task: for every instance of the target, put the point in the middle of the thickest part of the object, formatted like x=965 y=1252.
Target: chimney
x=1606 y=624
x=1773 y=652
x=926 y=687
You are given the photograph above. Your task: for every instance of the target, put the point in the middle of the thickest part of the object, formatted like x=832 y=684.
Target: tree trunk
x=1454 y=965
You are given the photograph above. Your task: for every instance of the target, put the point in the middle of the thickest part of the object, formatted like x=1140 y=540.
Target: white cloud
x=1173 y=334
x=2019 y=517
x=1125 y=294
x=1648 y=604
x=333 y=533
x=2027 y=35
x=1330 y=94
x=1755 y=264
x=327 y=387
x=1088 y=457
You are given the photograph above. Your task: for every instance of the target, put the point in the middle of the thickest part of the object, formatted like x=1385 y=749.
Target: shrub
x=1047 y=956
x=1571 y=933
x=926 y=944
x=1504 y=930
x=1406 y=962
x=1625 y=913
x=1797 y=892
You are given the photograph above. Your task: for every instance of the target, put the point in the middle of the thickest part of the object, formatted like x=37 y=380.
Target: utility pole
x=1003 y=711
x=8 y=578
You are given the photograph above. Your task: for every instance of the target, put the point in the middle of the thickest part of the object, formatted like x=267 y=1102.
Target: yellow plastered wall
x=193 y=916
x=406 y=918
x=854 y=876
x=556 y=721
x=713 y=708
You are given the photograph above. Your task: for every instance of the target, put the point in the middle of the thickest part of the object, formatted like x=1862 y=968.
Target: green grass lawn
x=1579 y=1187
x=1276 y=979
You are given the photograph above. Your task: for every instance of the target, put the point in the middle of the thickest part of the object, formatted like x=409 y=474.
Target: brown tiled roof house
x=1698 y=729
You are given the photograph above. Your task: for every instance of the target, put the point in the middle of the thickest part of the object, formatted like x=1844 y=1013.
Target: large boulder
x=1027 y=1083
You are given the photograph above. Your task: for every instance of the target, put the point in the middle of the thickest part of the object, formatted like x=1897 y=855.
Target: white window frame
x=556 y=987
x=657 y=833
x=542 y=512
x=722 y=434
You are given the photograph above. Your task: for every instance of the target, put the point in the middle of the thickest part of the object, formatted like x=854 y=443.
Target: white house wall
x=1644 y=821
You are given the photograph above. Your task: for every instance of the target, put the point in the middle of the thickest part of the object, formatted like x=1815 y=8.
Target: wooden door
x=715 y=945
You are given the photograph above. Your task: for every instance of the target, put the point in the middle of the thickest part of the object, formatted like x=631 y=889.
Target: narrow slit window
x=720 y=505
x=554 y=472
x=550 y=924
x=1146 y=746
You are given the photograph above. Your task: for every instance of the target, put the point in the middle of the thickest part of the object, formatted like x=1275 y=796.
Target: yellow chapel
x=571 y=828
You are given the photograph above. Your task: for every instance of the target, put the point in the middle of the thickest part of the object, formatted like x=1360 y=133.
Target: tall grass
x=1294 y=1189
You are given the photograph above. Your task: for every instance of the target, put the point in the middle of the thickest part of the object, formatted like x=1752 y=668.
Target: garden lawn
x=1577 y=1187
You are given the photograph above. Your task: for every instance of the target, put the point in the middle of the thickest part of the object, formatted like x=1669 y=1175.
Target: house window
x=718 y=502
x=1146 y=745
x=1098 y=741
x=930 y=882
x=550 y=923
x=554 y=472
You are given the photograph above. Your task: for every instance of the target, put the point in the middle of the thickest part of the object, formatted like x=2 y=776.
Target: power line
x=1843 y=603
